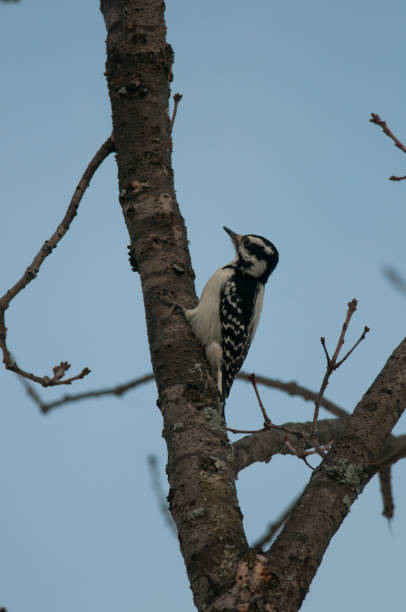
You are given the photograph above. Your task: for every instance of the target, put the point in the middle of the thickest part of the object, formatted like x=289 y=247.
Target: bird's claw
x=170 y=301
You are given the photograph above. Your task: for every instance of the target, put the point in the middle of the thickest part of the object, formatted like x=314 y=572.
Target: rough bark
x=262 y=446
x=200 y=468
x=297 y=553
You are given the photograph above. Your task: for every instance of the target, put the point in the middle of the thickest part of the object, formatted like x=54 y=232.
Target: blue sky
x=272 y=137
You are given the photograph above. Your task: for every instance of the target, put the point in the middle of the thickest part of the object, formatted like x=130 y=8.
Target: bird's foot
x=170 y=301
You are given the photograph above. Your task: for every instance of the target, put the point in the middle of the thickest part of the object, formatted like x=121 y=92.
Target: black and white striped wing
x=236 y=332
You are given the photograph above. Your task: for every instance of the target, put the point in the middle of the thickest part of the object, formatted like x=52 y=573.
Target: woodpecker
x=227 y=315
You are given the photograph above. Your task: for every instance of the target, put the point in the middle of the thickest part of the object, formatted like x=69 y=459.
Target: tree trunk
x=200 y=462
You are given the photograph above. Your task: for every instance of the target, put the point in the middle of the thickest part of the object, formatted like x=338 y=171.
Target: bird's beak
x=236 y=238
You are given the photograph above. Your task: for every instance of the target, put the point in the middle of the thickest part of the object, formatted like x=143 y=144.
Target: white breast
x=205 y=318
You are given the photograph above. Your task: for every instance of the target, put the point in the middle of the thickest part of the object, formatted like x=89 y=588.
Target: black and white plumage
x=227 y=315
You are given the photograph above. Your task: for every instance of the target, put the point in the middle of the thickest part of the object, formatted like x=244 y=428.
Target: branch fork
x=332 y=364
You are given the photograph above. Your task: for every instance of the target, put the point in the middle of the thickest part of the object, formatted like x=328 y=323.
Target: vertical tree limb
x=200 y=469
x=385 y=483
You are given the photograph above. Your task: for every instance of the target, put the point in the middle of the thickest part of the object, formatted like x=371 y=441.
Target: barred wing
x=237 y=315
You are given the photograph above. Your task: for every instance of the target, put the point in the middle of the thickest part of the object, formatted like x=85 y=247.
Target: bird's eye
x=246 y=242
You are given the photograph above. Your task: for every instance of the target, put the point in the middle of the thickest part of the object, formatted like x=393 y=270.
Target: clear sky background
x=272 y=137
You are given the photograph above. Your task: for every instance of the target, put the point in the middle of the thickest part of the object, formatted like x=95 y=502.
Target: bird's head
x=255 y=255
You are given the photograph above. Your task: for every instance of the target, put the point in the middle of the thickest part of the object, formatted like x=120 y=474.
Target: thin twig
x=297 y=453
x=303 y=454
x=176 y=99
x=378 y=121
x=333 y=364
x=159 y=492
x=33 y=269
x=292 y=388
x=118 y=390
x=323 y=343
x=360 y=339
x=267 y=420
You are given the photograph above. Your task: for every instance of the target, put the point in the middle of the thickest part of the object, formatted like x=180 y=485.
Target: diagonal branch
x=33 y=269
x=117 y=390
x=378 y=121
x=336 y=484
x=292 y=388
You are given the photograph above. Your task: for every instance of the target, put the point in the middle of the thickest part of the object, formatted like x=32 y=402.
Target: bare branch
x=360 y=339
x=323 y=343
x=267 y=420
x=261 y=446
x=176 y=99
x=332 y=365
x=386 y=491
x=292 y=388
x=33 y=269
x=159 y=492
x=397 y=178
x=336 y=484
x=394 y=450
x=378 y=121
x=117 y=390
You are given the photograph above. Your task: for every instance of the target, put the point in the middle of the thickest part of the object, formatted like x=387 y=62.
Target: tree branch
x=333 y=364
x=260 y=447
x=33 y=269
x=336 y=484
x=378 y=121
x=385 y=482
x=117 y=390
x=159 y=492
x=291 y=388
x=176 y=99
